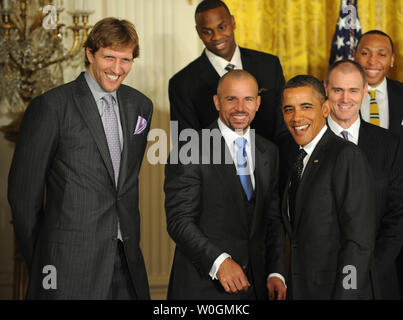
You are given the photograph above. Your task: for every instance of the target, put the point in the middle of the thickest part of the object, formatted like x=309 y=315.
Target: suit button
x=244 y=267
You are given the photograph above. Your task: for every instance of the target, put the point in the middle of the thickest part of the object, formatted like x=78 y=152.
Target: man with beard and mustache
x=224 y=213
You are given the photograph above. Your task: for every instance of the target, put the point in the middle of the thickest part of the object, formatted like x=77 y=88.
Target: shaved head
x=236 y=75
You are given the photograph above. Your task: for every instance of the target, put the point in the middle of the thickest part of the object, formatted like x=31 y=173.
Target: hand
x=231 y=277
x=276 y=285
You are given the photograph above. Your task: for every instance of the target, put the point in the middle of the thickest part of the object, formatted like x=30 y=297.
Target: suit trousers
x=122 y=286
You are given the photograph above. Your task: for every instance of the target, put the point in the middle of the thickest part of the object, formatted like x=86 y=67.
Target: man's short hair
x=112 y=32
x=354 y=65
x=376 y=32
x=206 y=5
x=306 y=81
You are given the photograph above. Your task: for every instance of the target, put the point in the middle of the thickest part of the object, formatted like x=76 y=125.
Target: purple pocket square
x=141 y=125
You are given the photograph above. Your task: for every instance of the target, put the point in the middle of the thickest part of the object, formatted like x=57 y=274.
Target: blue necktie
x=243 y=168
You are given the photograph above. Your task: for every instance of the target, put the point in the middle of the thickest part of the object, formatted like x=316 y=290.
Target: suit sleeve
x=182 y=108
x=275 y=231
x=354 y=192
x=35 y=149
x=182 y=205
x=390 y=232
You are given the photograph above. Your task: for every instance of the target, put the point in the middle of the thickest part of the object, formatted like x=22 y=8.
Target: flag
x=348 y=31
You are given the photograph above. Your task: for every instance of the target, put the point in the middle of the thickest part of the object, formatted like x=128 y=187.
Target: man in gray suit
x=84 y=143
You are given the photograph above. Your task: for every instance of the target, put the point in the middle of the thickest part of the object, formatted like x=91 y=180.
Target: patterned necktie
x=112 y=133
x=344 y=133
x=295 y=179
x=230 y=67
x=373 y=108
x=243 y=168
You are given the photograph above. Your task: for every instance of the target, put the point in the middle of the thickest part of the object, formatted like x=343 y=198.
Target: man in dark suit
x=328 y=207
x=375 y=54
x=84 y=143
x=191 y=90
x=346 y=86
x=223 y=208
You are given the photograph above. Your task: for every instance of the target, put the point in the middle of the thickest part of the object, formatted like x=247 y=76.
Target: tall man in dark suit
x=346 y=86
x=328 y=206
x=223 y=208
x=191 y=90
x=375 y=54
x=84 y=143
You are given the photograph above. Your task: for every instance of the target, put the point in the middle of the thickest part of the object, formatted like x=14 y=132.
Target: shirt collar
x=230 y=135
x=97 y=91
x=353 y=130
x=382 y=87
x=312 y=145
x=220 y=63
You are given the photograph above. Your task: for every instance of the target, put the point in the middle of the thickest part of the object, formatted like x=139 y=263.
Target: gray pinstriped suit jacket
x=62 y=147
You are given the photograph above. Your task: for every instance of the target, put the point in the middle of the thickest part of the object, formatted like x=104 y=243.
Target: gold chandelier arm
x=75 y=48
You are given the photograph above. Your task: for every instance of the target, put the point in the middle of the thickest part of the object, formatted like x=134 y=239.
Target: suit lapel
x=364 y=139
x=226 y=172
x=262 y=176
x=124 y=116
x=247 y=63
x=395 y=102
x=207 y=72
x=309 y=173
x=87 y=106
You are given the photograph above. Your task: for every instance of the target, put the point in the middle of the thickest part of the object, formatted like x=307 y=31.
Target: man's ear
x=259 y=101
x=326 y=108
x=89 y=54
x=233 y=22
x=216 y=102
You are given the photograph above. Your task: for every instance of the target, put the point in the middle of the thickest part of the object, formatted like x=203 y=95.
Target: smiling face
x=237 y=101
x=375 y=55
x=216 y=29
x=109 y=66
x=345 y=91
x=304 y=113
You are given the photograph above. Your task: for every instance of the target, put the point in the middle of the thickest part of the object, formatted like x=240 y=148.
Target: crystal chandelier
x=32 y=50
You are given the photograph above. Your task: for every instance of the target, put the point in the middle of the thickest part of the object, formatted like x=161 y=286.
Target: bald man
x=223 y=212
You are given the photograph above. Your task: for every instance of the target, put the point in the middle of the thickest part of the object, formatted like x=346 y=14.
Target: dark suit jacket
x=206 y=216
x=383 y=152
x=62 y=147
x=191 y=93
x=395 y=97
x=334 y=223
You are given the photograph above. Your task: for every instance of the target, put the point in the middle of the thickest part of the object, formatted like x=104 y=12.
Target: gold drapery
x=300 y=32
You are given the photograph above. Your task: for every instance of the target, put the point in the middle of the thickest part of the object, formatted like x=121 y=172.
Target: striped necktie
x=230 y=67
x=373 y=108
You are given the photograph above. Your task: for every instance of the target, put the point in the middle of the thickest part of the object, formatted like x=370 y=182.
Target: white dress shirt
x=98 y=93
x=230 y=136
x=353 y=130
x=310 y=147
x=220 y=63
x=383 y=104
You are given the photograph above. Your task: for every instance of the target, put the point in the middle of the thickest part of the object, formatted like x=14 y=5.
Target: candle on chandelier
x=5 y=4
x=76 y=5
x=85 y=5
